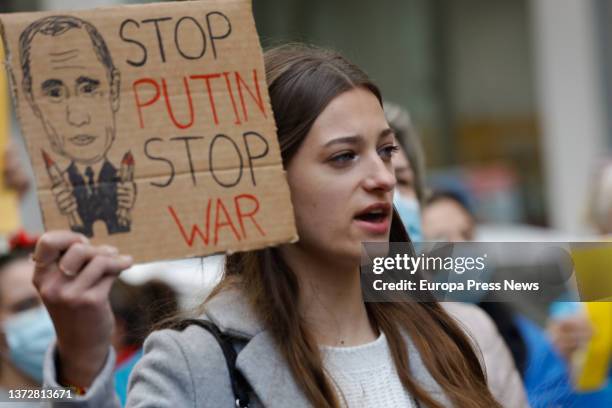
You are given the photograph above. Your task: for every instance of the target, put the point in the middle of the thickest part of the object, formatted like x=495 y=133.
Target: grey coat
x=187 y=369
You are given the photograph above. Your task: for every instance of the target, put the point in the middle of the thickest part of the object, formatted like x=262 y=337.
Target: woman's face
x=17 y=292
x=342 y=179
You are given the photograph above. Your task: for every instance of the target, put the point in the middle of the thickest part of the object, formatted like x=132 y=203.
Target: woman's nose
x=380 y=176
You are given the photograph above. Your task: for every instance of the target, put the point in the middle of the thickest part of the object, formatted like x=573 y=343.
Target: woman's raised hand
x=74 y=279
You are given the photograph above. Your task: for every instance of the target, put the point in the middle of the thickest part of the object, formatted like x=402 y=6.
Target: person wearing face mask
x=447 y=216
x=409 y=165
x=26 y=330
x=409 y=198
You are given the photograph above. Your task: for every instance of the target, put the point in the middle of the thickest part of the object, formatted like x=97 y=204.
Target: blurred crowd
x=551 y=358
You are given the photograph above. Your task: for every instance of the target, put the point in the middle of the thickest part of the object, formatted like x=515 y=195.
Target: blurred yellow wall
x=9 y=205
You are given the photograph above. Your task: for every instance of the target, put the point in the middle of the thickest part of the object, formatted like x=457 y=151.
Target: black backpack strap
x=240 y=386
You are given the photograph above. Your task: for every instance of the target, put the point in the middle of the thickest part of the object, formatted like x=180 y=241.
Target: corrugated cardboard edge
x=117 y=7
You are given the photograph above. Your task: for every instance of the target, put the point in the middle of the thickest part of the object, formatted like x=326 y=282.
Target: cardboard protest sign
x=150 y=128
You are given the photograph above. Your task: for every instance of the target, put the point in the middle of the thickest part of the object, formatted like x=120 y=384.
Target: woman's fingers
x=48 y=250
x=67 y=265
x=105 y=263
x=76 y=257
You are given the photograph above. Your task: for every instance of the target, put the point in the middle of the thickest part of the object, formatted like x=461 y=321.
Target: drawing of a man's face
x=74 y=94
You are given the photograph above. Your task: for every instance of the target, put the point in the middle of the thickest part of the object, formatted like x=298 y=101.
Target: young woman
x=295 y=313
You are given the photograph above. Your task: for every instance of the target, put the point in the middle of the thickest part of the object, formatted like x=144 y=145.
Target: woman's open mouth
x=375 y=219
x=82 y=140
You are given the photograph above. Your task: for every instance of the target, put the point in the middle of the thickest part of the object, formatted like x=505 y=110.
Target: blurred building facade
x=513 y=97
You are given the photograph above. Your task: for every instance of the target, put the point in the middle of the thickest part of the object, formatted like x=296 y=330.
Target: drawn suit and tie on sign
x=150 y=128
x=86 y=200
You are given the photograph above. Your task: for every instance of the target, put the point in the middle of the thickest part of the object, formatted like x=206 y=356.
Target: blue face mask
x=410 y=213
x=28 y=335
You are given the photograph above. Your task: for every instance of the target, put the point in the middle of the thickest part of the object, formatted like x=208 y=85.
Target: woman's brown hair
x=302 y=81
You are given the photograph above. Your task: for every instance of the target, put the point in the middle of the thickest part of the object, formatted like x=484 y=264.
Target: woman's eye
x=343 y=158
x=387 y=152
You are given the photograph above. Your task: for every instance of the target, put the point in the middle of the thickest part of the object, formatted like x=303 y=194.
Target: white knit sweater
x=365 y=376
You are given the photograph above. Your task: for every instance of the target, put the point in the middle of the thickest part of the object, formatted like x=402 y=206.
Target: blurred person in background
x=600 y=208
x=448 y=218
x=582 y=331
x=14 y=175
x=14 y=178
x=546 y=375
x=138 y=309
x=409 y=166
x=26 y=330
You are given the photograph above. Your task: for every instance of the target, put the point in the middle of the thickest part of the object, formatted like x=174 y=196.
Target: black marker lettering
x=177 y=43
x=248 y=149
x=133 y=41
x=150 y=156
x=156 y=21
x=214 y=37
x=187 y=139
x=210 y=160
